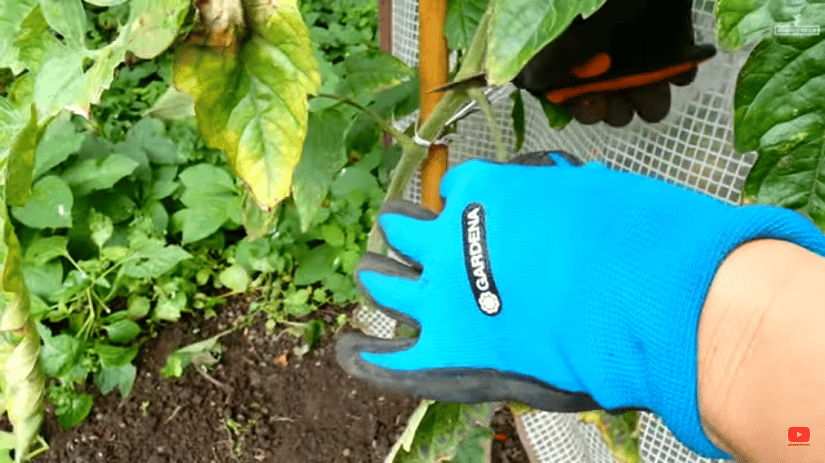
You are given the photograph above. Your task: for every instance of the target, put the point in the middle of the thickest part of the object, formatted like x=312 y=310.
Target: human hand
x=567 y=287
x=619 y=61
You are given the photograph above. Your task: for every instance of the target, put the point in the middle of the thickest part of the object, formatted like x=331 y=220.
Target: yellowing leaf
x=251 y=100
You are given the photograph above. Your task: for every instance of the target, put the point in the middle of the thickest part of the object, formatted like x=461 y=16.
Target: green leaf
x=199 y=353
x=234 y=278
x=122 y=377
x=122 y=331
x=296 y=303
x=153 y=262
x=780 y=112
x=153 y=25
x=449 y=432
x=60 y=353
x=170 y=308
x=518 y=119
x=114 y=356
x=462 y=21
x=67 y=18
x=173 y=105
x=210 y=196
x=65 y=82
x=740 y=22
x=43 y=249
x=149 y=134
x=315 y=265
x=557 y=116
x=106 y=2
x=251 y=99
x=50 y=205
x=138 y=306
x=521 y=28
x=333 y=235
x=60 y=140
x=323 y=156
x=98 y=174
x=101 y=227
x=74 y=411
x=44 y=280
x=371 y=71
x=353 y=178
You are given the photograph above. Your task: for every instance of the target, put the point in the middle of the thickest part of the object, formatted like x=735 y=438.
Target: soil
x=261 y=403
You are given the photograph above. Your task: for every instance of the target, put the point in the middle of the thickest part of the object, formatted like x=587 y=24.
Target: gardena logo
x=477 y=260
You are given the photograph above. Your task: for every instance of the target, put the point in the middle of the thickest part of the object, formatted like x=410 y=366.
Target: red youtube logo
x=799 y=434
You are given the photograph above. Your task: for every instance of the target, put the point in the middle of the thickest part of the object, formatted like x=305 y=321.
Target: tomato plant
x=152 y=149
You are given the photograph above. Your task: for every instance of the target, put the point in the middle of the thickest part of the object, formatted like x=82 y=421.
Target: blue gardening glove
x=565 y=287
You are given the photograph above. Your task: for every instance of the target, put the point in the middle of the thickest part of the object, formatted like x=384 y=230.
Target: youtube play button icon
x=799 y=435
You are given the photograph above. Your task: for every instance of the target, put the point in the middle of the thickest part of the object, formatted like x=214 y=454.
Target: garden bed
x=261 y=403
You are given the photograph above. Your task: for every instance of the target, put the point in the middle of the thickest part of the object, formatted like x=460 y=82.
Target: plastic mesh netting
x=692 y=146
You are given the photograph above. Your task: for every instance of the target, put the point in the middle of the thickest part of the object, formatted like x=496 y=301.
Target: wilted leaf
x=49 y=206
x=462 y=21
x=198 y=353
x=739 y=22
x=520 y=28
x=21 y=162
x=24 y=37
x=780 y=112
x=11 y=122
x=323 y=156
x=251 y=102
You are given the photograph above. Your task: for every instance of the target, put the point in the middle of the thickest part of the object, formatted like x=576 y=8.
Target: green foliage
x=780 y=113
x=740 y=22
x=519 y=29
x=462 y=21
x=442 y=431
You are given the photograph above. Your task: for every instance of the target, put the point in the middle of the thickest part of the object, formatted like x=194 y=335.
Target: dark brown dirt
x=509 y=449
x=261 y=403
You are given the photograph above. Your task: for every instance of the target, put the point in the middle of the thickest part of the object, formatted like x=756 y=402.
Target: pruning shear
x=618 y=62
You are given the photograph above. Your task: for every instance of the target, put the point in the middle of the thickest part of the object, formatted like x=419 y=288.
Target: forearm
x=761 y=352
